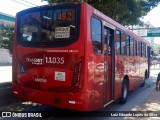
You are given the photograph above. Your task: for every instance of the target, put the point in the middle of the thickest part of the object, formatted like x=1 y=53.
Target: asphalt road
x=135 y=101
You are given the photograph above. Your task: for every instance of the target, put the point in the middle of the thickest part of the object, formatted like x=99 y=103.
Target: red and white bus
x=73 y=56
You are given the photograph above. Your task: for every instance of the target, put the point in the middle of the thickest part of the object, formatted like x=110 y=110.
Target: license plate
x=60 y=76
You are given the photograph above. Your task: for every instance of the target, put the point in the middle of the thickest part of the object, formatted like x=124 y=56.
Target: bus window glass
x=105 y=40
x=96 y=35
x=108 y=40
x=128 y=44
x=123 y=44
x=144 y=50
x=141 y=49
x=118 y=50
x=131 y=46
x=136 y=48
x=110 y=37
x=48 y=26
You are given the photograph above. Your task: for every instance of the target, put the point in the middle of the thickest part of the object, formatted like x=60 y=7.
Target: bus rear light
x=74 y=102
x=15 y=92
x=76 y=75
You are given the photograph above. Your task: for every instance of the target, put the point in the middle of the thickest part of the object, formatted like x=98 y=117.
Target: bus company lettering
x=46 y=60
x=36 y=61
x=40 y=79
x=55 y=60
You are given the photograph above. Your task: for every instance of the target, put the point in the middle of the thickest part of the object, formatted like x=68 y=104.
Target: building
x=142 y=31
x=5 y=19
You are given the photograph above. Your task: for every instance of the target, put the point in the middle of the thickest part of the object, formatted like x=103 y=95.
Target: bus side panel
x=133 y=82
x=84 y=34
x=143 y=68
x=137 y=64
x=95 y=66
x=119 y=72
x=89 y=60
x=99 y=81
x=124 y=65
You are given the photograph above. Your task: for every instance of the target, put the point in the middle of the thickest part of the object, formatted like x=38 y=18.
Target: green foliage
x=126 y=12
x=5 y=84
x=6 y=37
x=61 y=1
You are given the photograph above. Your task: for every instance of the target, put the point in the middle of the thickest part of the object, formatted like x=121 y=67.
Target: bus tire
x=145 y=77
x=124 y=93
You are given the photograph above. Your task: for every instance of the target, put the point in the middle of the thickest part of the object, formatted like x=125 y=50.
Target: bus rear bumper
x=74 y=101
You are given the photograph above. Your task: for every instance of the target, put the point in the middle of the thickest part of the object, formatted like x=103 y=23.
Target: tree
x=6 y=36
x=126 y=12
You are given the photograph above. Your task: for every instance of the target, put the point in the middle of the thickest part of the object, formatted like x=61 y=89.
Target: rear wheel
x=124 y=93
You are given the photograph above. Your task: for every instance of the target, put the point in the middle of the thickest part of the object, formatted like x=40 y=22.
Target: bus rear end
x=48 y=57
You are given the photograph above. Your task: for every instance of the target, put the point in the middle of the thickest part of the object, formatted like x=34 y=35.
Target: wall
x=5 y=57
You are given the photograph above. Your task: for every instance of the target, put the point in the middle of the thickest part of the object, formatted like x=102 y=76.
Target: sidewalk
x=5 y=74
x=152 y=104
x=153 y=101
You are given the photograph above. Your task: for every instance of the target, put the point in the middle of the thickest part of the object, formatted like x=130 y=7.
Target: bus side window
x=128 y=45
x=110 y=42
x=131 y=46
x=138 y=48
x=118 y=44
x=123 y=44
x=96 y=29
x=135 y=47
x=141 y=49
x=146 y=50
x=107 y=38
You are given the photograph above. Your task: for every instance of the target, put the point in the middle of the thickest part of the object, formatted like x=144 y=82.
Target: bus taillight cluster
x=76 y=75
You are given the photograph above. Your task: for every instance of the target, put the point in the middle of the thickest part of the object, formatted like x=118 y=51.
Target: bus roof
x=117 y=25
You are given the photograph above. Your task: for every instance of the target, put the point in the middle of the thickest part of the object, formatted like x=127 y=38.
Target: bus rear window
x=47 y=26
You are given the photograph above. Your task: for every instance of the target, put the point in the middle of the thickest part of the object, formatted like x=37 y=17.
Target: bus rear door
x=109 y=64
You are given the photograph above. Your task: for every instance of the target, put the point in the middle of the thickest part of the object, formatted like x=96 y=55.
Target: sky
x=11 y=7
x=153 y=18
